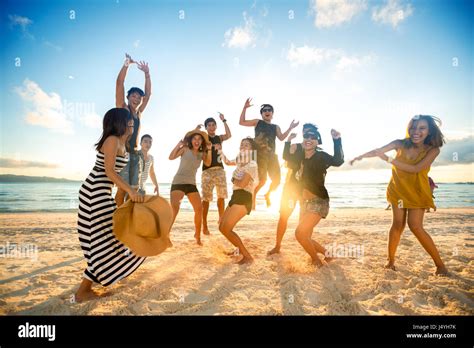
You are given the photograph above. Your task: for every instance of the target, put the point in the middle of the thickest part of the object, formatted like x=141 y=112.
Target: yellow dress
x=410 y=190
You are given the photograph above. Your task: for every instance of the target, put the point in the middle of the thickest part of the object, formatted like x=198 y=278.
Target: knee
x=223 y=228
x=299 y=235
x=198 y=210
x=398 y=227
x=415 y=227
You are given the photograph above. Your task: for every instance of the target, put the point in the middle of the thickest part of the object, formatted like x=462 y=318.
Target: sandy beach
x=191 y=280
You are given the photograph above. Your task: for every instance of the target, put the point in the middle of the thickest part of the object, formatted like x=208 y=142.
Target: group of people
x=119 y=162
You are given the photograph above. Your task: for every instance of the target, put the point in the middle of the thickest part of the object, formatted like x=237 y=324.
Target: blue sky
x=363 y=67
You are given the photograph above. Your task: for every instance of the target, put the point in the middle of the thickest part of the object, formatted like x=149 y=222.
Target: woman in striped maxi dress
x=108 y=260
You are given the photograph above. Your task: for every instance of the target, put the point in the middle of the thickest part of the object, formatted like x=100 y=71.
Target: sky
x=363 y=67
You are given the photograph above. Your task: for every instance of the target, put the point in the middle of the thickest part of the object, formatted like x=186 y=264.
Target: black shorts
x=268 y=165
x=186 y=188
x=241 y=197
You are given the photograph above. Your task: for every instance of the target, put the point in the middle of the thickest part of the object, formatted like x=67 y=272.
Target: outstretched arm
x=394 y=145
x=243 y=121
x=119 y=87
x=281 y=135
x=227 y=134
x=289 y=148
x=414 y=168
x=143 y=66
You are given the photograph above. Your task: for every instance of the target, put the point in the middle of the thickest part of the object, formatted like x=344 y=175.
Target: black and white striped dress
x=108 y=260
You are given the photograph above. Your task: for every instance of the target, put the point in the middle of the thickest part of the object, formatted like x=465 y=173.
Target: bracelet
x=224 y=120
x=390 y=159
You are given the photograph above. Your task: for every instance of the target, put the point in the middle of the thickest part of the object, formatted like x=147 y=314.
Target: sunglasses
x=310 y=136
x=267 y=110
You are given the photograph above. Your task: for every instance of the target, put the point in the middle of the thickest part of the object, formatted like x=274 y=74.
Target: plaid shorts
x=317 y=205
x=214 y=176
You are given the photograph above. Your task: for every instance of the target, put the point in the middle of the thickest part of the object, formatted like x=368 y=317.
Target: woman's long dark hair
x=435 y=137
x=115 y=123
x=189 y=140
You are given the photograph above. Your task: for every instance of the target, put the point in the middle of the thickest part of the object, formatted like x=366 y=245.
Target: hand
x=294 y=124
x=129 y=59
x=218 y=147
x=209 y=146
x=136 y=197
x=198 y=127
x=291 y=137
x=181 y=143
x=248 y=103
x=143 y=66
x=157 y=191
x=221 y=116
x=335 y=134
x=355 y=159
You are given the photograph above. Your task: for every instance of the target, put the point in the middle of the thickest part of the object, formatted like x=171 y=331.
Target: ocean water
x=38 y=197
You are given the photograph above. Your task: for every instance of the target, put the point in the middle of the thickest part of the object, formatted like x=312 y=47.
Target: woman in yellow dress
x=409 y=191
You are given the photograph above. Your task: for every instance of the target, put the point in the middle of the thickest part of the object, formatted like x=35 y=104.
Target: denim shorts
x=317 y=205
x=131 y=171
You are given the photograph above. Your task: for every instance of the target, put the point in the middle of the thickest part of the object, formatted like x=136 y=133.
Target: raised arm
x=119 y=87
x=177 y=151
x=394 y=145
x=289 y=148
x=338 y=158
x=227 y=134
x=281 y=135
x=243 y=121
x=143 y=66
x=109 y=149
x=413 y=168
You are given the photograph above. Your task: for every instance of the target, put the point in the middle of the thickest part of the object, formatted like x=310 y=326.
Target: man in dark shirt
x=265 y=134
x=214 y=175
x=137 y=100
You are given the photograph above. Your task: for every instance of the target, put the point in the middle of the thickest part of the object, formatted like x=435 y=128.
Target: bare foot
x=442 y=271
x=329 y=259
x=198 y=239
x=206 y=231
x=267 y=200
x=390 y=265
x=232 y=253
x=87 y=295
x=275 y=250
x=317 y=263
x=245 y=260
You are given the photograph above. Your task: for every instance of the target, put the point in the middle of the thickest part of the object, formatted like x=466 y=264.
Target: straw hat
x=144 y=227
x=201 y=133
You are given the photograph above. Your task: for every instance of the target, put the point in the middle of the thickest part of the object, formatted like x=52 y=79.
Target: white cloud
x=392 y=13
x=349 y=63
x=335 y=12
x=22 y=22
x=52 y=112
x=242 y=36
x=306 y=55
x=45 y=110
x=50 y=44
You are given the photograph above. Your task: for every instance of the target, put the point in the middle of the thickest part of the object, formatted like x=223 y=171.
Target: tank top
x=216 y=161
x=188 y=167
x=265 y=134
x=410 y=190
x=133 y=142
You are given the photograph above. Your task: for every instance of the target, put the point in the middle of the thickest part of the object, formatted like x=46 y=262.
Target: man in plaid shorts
x=214 y=175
